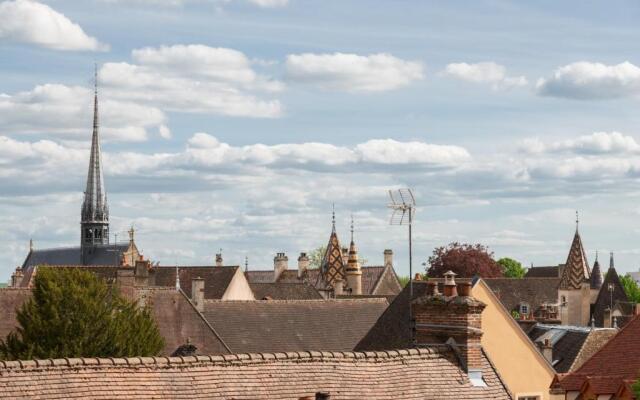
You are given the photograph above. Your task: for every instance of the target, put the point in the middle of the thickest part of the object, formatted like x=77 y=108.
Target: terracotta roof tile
x=424 y=373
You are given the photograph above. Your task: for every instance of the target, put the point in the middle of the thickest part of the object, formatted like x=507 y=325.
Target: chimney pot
x=388 y=257
x=197 y=293
x=303 y=264
x=280 y=264
x=432 y=288
x=219 y=261
x=418 y=277
x=450 y=284
x=464 y=289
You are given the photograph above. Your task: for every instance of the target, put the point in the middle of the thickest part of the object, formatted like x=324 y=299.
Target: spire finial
x=333 y=217
x=577 y=220
x=351 y=228
x=246 y=263
x=611 y=259
x=596 y=255
x=30 y=244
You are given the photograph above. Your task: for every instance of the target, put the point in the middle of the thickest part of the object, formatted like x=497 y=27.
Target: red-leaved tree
x=466 y=260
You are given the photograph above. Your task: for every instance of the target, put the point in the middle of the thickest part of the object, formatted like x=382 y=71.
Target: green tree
x=636 y=389
x=631 y=288
x=72 y=313
x=404 y=280
x=511 y=268
x=316 y=255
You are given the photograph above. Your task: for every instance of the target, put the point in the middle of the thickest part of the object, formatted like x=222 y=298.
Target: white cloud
x=193 y=78
x=39 y=111
x=270 y=3
x=352 y=72
x=484 y=72
x=591 y=81
x=596 y=143
x=389 y=151
x=28 y=21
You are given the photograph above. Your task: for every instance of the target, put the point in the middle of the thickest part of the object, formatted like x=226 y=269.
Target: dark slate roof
x=216 y=279
x=371 y=277
x=293 y=325
x=284 y=291
x=393 y=330
x=543 y=272
x=596 y=275
x=566 y=348
x=603 y=301
x=534 y=291
x=103 y=255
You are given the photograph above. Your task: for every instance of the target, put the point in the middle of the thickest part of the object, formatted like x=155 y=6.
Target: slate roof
x=284 y=291
x=534 y=291
x=293 y=325
x=216 y=279
x=604 y=299
x=606 y=363
x=596 y=275
x=409 y=374
x=576 y=269
x=543 y=272
x=103 y=255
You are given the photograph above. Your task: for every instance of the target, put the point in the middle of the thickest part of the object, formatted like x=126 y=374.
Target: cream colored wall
x=578 y=306
x=238 y=288
x=521 y=366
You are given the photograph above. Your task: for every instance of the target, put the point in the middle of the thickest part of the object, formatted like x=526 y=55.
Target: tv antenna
x=403 y=206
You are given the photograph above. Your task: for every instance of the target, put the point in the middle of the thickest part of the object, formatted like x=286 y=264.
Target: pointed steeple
x=576 y=269
x=352 y=263
x=596 y=275
x=95 y=212
x=333 y=265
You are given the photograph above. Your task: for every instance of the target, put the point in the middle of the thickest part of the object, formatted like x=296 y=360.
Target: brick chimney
x=388 y=257
x=197 y=293
x=218 y=259
x=303 y=264
x=16 y=277
x=454 y=319
x=280 y=264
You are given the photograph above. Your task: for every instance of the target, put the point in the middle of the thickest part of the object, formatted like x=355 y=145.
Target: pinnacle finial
x=351 y=228
x=596 y=255
x=30 y=244
x=95 y=78
x=611 y=259
x=333 y=217
x=246 y=263
x=577 y=220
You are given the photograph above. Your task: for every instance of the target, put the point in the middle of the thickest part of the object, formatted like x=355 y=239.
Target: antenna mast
x=403 y=205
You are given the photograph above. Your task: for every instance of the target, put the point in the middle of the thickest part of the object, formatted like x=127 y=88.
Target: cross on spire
x=333 y=217
x=577 y=220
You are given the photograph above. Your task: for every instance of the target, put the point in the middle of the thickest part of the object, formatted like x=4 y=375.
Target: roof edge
x=214 y=359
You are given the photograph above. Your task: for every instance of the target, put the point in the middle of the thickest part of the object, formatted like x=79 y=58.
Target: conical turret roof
x=576 y=270
x=596 y=275
x=333 y=265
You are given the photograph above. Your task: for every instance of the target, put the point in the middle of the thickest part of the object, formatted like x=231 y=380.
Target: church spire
x=95 y=212
x=576 y=270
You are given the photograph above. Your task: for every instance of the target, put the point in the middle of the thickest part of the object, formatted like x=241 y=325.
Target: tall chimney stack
x=280 y=264
x=388 y=257
x=452 y=319
x=197 y=293
x=303 y=264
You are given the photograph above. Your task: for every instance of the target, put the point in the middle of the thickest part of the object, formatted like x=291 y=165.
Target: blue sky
x=236 y=124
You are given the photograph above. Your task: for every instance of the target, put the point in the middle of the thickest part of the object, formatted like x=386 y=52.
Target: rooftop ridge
x=523 y=279
x=248 y=358
x=324 y=301
x=196 y=266
x=573 y=328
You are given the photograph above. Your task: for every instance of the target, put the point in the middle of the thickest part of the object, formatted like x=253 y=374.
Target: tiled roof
x=11 y=299
x=333 y=264
x=408 y=374
x=284 y=291
x=606 y=362
x=605 y=298
x=596 y=275
x=371 y=278
x=595 y=340
x=543 y=272
x=293 y=325
x=216 y=279
x=102 y=255
x=392 y=330
x=534 y=291
x=576 y=269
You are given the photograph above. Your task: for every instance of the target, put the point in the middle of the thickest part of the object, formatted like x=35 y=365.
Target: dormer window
x=524 y=309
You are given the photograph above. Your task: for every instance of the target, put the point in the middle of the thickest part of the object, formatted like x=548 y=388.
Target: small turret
x=353 y=270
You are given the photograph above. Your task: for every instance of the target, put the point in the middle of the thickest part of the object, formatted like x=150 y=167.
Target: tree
x=72 y=313
x=466 y=260
x=511 y=268
x=404 y=280
x=631 y=288
x=316 y=256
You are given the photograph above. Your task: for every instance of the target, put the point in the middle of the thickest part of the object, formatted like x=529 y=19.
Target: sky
x=237 y=124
